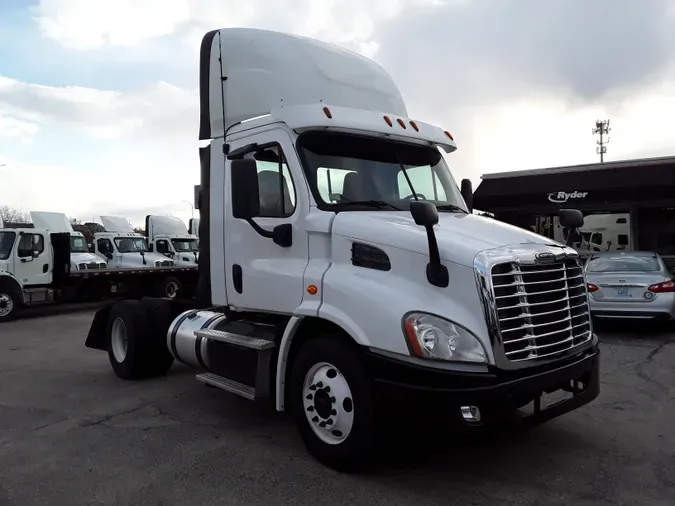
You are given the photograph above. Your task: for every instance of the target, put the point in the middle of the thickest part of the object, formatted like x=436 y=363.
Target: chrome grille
x=91 y=265
x=542 y=310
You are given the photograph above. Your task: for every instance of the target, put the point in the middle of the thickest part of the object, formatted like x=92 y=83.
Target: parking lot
x=72 y=433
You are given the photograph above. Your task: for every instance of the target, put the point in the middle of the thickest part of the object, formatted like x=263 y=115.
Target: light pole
x=192 y=207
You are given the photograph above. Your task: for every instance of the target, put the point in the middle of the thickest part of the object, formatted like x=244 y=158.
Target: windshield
x=78 y=244
x=131 y=244
x=185 y=245
x=6 y=244
x=623 y=263
x=345 y=169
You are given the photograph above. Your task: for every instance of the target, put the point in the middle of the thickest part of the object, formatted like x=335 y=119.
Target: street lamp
x=192 y=207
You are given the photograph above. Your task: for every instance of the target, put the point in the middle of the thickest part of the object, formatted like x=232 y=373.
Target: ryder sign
x=562 y=197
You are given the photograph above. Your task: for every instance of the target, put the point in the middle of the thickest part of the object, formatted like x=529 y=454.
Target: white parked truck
x=341 y=273
x=168 y=236
x=80 y=256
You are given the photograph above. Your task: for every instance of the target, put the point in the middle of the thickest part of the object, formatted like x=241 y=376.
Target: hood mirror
x=425 y=214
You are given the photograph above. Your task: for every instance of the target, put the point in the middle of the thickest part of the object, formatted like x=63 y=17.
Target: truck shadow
x=59 y=309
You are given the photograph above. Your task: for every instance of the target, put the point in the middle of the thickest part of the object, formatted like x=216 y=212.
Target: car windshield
x=131 y=244
x=349 y=172
x=185 y=245
x=623 y=263
x=78 y=244
x=6 y=244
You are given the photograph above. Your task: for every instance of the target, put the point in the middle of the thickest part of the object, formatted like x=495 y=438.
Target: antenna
x=602 y=129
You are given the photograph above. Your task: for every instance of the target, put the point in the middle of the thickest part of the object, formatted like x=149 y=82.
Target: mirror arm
x=265 y=233
x=437 y=273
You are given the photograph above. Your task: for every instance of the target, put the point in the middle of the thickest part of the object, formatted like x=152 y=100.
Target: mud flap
x=96 y=339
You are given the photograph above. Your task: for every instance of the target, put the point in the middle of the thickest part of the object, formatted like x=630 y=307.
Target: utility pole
x=602 y=129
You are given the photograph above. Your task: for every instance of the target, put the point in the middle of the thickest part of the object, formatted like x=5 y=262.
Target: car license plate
x=623 y=292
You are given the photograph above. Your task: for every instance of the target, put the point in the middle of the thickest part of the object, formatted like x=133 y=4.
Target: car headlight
x=432 y=337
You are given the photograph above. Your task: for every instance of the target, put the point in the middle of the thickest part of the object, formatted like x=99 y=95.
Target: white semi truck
x=341 y=272
x=168 y=236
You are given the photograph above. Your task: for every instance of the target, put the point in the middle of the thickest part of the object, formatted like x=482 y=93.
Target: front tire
x=168 y=287
x=10 y=302
x=332 y=403
x=134 y=350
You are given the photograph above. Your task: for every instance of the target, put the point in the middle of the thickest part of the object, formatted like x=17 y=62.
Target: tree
x=13 y=216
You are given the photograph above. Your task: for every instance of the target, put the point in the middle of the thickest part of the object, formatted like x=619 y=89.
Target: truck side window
x=38 y=243
x=25 y=248
x=162 y=246
x=275 y=184
x=104 y=246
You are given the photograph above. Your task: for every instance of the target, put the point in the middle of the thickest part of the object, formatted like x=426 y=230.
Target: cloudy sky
x=98 y=98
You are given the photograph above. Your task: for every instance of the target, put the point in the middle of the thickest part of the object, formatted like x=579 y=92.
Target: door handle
x=45 y=268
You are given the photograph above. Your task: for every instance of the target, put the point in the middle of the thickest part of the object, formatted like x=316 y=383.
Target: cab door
x=33 y=260
x=260 y=274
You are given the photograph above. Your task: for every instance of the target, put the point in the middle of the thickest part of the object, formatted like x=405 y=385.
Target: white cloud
x=16 y=129
x=91 y=24
x=99 y=113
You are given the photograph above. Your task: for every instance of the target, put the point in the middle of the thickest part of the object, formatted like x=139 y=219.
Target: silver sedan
x=626 y=284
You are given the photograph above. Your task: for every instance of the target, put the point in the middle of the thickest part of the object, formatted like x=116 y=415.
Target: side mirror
x=108 y=255
x=572 y=218
x=467 y=193
x=424 y=213
x=244 y=186
x=36 y=254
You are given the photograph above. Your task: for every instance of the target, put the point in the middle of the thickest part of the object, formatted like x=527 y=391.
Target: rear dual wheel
x=137 y=338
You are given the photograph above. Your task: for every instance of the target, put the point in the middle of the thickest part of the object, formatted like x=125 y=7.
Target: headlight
x=435 y=338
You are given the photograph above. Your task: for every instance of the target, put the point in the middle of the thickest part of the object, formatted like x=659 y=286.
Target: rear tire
x=134 y=348
x=10 y=301
x=329 y=386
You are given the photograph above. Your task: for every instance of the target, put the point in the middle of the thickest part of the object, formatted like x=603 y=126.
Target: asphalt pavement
x=72 y=433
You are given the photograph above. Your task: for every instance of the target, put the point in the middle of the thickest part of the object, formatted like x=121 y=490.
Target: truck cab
x=169 y=236
x=80 y=256
x=341 y=270
x=122 y=248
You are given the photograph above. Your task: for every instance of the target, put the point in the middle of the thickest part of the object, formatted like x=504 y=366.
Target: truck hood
x=86 y=258
x=460 y=236
x=134 y=259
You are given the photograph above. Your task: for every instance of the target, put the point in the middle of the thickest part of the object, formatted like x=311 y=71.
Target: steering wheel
x=412 y=196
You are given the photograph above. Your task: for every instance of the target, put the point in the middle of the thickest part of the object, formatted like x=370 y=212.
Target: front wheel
x=168 y=287
x=332 y=403
x=10 y=302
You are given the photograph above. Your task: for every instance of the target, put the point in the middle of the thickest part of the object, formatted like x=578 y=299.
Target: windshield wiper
x=450 y=207
x=379 y=204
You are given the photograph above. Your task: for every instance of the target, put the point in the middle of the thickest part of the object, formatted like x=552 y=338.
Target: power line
x=602 y=129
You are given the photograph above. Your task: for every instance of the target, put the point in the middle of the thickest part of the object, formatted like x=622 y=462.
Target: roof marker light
x=400 y=122
x=388 y=120
x=327 y=112
x=449 y=135
x=414 y=125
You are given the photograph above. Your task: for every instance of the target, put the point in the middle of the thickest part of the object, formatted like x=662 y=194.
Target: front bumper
x=496 y=393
